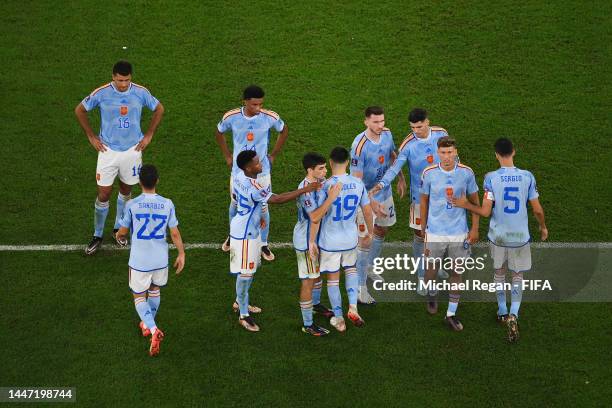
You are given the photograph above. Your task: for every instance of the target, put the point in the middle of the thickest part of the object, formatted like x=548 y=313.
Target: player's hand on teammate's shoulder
x=144 y=142
x=96 y=143
x=460 y=202
x=543 y=233
x=335 y=190
x=310 y=187
x=179 y=263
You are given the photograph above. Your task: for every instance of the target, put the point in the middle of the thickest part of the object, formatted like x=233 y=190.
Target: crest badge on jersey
x=381 y=159
x=354 y=161
x=430 y=158
x=123 y=110
x=250 y=136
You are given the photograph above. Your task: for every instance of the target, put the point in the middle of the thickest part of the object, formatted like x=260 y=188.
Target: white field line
x=215 y=245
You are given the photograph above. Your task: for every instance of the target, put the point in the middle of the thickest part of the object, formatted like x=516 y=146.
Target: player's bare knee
x=418 y=235
x=124 y=189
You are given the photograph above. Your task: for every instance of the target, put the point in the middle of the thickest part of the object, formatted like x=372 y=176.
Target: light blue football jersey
x=251 y=133
x=306 y=204
x=338 y=231
x=149 y=216
x=120 y=114
x=510 y=189
x=249 y=197
x=443 y=218
x=373 y=160
x=419 y=153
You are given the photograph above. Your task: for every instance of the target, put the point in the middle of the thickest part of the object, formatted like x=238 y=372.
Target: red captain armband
x=488 y=195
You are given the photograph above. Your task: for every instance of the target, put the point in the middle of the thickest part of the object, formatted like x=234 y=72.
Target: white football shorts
x=307 y=268
x=141 y=281
x=331 y=262
x=245 y=255
x=519 y=259
x=111 y=163
x=388 y=221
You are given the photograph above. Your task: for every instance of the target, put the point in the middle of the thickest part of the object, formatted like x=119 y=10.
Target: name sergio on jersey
x=509 y=179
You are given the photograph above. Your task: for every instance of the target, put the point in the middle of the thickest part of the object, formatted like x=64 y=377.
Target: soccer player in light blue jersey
x=338 y=237
x=445 y=226
x=372 y=153
x=148 y=216
x=245 y=229
x=309 y=206
x=250 y=126
x=120 y=142
x=506 y=194
x=418 y=151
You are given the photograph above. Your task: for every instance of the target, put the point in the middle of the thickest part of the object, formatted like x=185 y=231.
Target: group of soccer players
x=342 y=219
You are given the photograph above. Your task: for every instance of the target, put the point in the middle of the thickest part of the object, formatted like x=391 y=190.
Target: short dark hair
x=122 y=68
x=374 y=110
x=252 y=91
x=504 y=147
x=339 y=155
x=312 y=160
x=417 y=115
x=447 y=141
x=148 y=176
x=244 y=158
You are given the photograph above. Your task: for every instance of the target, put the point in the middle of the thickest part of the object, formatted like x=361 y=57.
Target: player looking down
x=119 y=143
x=250 y=126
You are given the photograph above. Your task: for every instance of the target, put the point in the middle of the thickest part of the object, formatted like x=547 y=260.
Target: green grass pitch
x=533 y=71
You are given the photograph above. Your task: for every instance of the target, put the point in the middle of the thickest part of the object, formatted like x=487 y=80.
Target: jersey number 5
x=514 y=200
x=141 y=234
x=348 y=204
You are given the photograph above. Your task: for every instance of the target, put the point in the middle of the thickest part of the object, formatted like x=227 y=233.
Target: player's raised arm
x=158 y=113
x=177 y=240
x=292 y=195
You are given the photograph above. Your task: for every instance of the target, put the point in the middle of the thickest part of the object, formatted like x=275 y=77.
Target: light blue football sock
x=316 y=292
x=101 y=211
x=121 y=200
x=144 y=311
x=154 y=299
x=351 y=281
x=500 y=293
x=363 y=255
x=306 y=307
x=243 y=283
x=418 y=246
x=265 y=231
x=517 y=293
x=453 y=303
x=333 y=292
x=375 y=249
